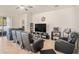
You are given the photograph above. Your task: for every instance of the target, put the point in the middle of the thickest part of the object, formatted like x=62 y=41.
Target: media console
x=40 y=35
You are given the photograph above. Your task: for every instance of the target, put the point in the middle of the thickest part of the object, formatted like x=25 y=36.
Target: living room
x=47 y=26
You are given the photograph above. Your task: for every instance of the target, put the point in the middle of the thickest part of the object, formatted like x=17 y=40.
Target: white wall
x=62 y=18
x=76 y=14
x=18 y=19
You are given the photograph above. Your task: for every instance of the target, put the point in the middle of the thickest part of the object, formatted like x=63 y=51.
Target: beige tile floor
x=8 y=47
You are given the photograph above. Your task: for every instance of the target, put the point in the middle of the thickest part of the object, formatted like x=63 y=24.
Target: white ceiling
x=11 y=9
x=44 y=8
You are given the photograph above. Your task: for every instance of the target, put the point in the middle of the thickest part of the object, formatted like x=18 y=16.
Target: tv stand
x=41 y=35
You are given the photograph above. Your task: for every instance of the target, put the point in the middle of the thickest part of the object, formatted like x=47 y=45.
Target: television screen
x=40 y=27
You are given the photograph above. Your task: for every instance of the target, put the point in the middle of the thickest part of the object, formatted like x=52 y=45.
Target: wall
x=19 y=19
x=62 y=18
x=15 y=21
x=76 y=14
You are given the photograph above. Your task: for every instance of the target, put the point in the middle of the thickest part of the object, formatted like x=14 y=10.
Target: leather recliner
x=34 y=47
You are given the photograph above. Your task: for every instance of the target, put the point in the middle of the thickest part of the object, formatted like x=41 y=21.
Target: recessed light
x=21 y=7
x=56 y=5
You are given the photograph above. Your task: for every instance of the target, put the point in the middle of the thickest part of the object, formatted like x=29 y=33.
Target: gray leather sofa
x=67 y=46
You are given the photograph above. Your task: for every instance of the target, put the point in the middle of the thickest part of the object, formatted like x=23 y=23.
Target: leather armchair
x=67 y=46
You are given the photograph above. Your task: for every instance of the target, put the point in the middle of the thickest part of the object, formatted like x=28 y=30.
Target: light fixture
x=24 y=7
x=21 y=7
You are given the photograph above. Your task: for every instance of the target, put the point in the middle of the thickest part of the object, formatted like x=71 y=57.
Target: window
x=3 y=21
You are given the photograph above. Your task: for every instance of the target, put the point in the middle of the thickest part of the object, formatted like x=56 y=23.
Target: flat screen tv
x=40 y=27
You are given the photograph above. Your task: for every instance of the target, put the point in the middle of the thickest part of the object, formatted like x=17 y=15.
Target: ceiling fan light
x=21 y=7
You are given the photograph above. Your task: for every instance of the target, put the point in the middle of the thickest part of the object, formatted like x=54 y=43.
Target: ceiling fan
x=26 y=8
